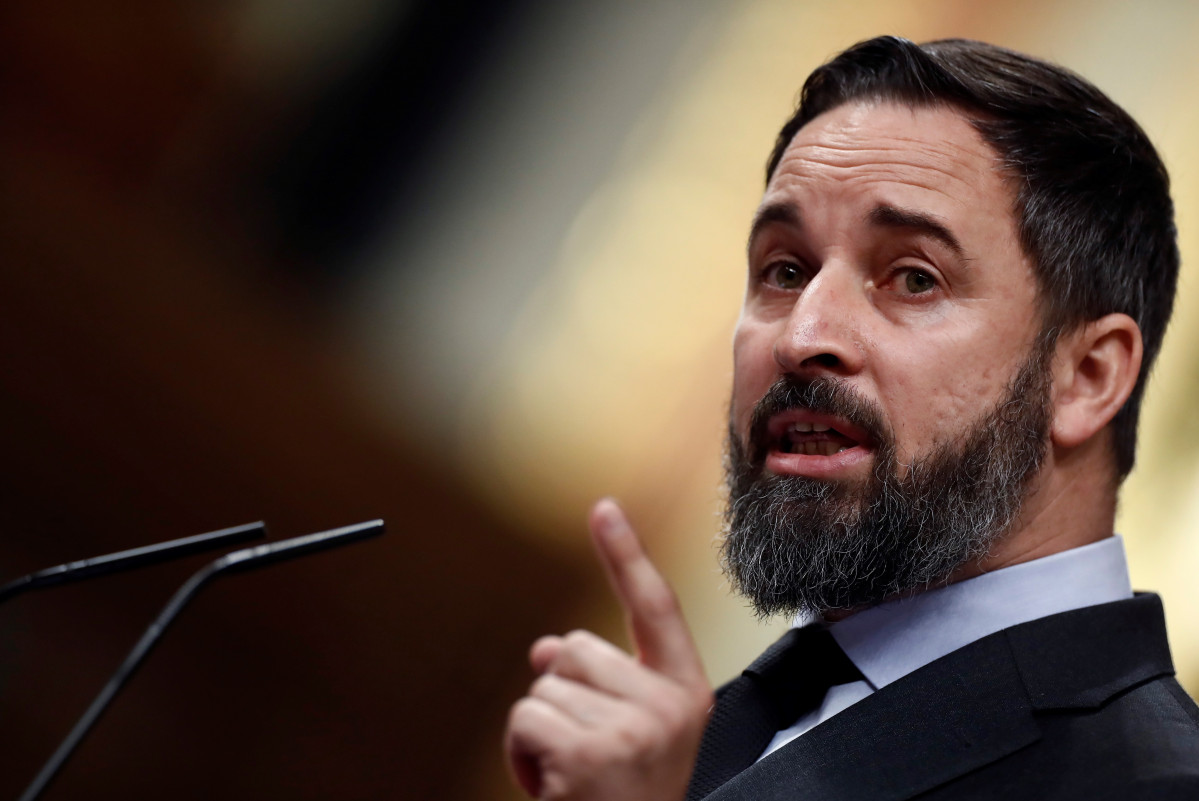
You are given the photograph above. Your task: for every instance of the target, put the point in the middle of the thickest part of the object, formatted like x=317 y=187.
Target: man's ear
x=1094 y=371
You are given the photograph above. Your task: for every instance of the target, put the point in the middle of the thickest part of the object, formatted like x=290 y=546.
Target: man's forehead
x=930 y=146
x=925 y=165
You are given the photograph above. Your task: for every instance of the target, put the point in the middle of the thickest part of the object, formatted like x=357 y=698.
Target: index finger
x=655 y=620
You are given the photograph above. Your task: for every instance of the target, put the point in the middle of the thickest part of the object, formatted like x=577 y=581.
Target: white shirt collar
x=888 y=641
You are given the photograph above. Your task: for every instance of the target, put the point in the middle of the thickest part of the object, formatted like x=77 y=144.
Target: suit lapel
x=1080 y=659
x=965 y=710
x=961 y=712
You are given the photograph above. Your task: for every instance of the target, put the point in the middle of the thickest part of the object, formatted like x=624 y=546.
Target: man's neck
x=1072 y=503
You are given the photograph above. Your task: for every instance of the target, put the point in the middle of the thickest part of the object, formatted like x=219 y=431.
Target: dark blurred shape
x=345 y=167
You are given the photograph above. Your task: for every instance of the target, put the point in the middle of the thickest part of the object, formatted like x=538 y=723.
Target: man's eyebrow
x=918 y=221
x=769 y=215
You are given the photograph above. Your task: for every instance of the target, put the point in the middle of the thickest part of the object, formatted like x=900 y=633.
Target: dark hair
x=1092 y=203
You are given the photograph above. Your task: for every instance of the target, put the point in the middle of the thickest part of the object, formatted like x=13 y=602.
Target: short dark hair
x=1093 y=201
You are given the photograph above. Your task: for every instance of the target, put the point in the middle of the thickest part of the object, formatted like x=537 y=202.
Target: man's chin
x=810 y=495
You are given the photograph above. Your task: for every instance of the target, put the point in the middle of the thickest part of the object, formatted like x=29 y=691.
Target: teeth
x=793 y=440
x=824 y=448
x=804 y=428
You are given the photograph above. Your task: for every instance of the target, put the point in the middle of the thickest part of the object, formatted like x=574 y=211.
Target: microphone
x=235 y=562
x=132 y=558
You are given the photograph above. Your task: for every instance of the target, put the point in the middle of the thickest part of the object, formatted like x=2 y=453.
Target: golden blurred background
x=464 y=266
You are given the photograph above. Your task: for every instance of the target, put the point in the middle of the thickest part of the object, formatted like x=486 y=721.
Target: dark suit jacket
x=1079 y=705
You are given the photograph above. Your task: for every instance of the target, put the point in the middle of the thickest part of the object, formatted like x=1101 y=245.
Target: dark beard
x=794 y=544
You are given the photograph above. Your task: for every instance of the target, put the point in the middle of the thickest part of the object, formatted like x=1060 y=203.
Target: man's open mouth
x=800 y=432
x=814 y=439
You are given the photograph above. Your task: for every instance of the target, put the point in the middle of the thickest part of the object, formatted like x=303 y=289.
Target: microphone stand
x=235 y=562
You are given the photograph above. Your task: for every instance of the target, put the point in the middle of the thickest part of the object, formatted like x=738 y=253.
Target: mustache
x=824 y=395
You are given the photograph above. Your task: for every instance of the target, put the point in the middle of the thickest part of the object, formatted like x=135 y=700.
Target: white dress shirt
x=889 y=641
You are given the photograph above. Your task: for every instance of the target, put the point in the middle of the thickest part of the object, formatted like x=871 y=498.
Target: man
x=959 y=276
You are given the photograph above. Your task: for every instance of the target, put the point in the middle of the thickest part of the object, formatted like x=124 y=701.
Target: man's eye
x=785 y=275
x=918 y=282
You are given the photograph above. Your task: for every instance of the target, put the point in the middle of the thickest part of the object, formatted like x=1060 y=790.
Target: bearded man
x=959 y=276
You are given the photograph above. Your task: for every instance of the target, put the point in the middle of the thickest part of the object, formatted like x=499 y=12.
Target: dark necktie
x=786 y=681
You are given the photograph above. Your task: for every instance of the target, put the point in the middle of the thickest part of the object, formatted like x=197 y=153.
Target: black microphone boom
x=237 y=561
x=134 y=557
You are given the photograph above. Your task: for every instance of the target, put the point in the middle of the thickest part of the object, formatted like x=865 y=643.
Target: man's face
x=893 y=311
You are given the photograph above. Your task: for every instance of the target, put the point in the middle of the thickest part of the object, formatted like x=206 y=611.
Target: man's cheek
x=745 y=398
x=754 y=373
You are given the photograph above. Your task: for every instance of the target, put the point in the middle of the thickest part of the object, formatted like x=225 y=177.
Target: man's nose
x=822 y=334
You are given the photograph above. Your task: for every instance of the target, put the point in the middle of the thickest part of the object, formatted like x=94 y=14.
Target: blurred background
x=464 y=266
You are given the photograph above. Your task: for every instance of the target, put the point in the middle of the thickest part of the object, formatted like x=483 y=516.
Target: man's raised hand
x=599 y=724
